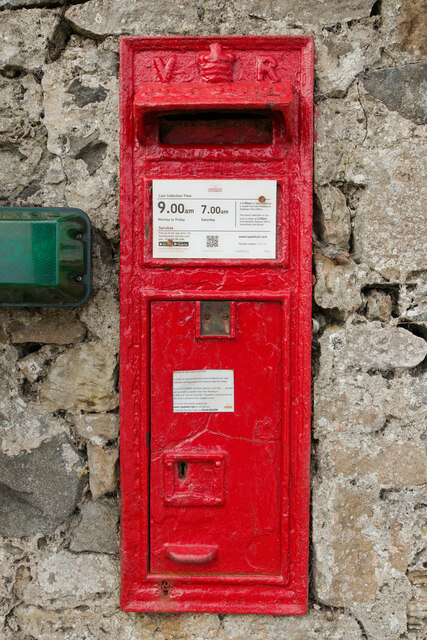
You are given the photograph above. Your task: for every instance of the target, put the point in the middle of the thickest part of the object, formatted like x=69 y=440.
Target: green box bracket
x=44 y=257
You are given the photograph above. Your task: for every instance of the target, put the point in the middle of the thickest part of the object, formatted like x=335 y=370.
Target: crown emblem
x=217 y=65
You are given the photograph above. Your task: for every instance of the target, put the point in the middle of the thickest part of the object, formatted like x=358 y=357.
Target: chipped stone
x=20 y=4
x=82 y=378
x=97 y=528
x=9 y=559
x=102 y=470
x=404 y=30
x=66 y=579
x=417 y=607
x=45 y=622
x=386 y=464
x=19 y=49
x=21 y=111
x=84 y=94
x=368 y=417
x=55 y=173
x=23 y=579
x=94 y=622
x=332 y=12
x=339 y=286
x=411 y=29
x=24 y=424
x=35 y=364
x=379 y=305
x=340 y=132
x=342 y=55
x=390 y=218
x=104 y=266
x=102 y=317
x=346 y=563
x=370 y=346
x=33 y=367
x=334 y=216
x=384 y=129
x=39 y=490
x=90 y=149
x=413 y=301
x=402 y=89
x=98 y=18
x=22 y=136
x=386 y=618
x=356 y=393
x=99 y=428
x=82 y=126
x=315 y=625
x=57 y=329
x=350 y=401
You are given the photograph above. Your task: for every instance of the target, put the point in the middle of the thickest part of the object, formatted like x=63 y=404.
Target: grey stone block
x=97 y=529
x=40 y=489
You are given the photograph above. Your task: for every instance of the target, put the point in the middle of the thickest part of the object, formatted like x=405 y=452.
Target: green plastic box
x=44 y=257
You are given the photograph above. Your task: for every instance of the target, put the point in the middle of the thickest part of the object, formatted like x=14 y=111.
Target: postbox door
x=216 y=451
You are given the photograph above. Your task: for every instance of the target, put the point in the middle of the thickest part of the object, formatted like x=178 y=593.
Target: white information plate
x=227 y=219
x=204 y=391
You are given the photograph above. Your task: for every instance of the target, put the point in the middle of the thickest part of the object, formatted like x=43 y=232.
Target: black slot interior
x=213 y=128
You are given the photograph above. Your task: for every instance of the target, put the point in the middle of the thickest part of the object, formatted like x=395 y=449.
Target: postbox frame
x=143 y=280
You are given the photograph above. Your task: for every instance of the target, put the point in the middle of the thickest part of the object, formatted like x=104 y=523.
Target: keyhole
x=182 y=469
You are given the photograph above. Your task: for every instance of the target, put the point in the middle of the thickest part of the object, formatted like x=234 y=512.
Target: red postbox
x=216 y=181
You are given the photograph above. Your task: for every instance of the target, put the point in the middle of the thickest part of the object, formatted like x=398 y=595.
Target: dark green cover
x=44 y=256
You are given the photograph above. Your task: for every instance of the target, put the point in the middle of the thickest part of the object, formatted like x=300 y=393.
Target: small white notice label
x=226 y=219
x=203 y=391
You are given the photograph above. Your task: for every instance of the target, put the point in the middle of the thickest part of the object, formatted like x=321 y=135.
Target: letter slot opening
x=208 y=128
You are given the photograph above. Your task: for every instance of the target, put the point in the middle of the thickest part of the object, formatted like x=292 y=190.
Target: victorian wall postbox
x=216 y=179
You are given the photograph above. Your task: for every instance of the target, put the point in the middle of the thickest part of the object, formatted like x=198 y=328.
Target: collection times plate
x=214 y=219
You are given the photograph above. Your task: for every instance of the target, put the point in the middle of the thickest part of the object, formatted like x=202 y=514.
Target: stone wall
x=59 y=493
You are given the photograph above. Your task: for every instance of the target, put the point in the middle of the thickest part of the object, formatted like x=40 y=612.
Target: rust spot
x=215 y=318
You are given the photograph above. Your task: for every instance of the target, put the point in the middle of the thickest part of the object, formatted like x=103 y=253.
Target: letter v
x=164 y=71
